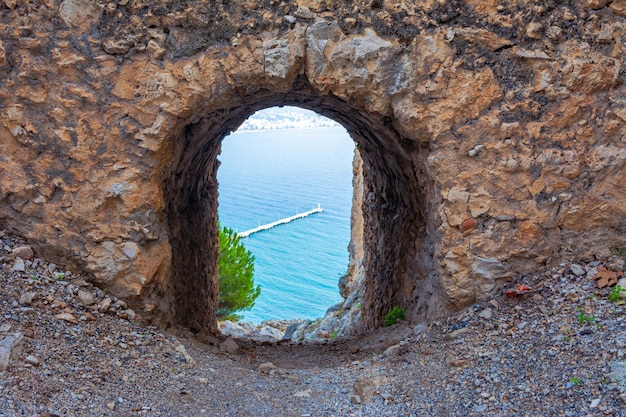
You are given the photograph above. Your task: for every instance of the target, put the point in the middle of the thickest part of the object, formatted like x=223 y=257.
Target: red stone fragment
x=467 y=225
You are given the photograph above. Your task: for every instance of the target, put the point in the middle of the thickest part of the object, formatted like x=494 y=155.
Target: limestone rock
x=595 y=4
x=155 y=50
x=468 y=118
x=183 y=355
x=229 y=346
x=10 y=348
x=27 y=297
x=228 y=328
x=79 y=13
x=534 y=30
x=365 y=387
x=105 y=305
x=618 y=7
x=18 y=265
x=10 y=3
x=32 y=360
x=266 y=367
x=478 y=36
x=66 y=317
x=267 y=332
x=86 y=297
x=117 y=46
x=24 y=252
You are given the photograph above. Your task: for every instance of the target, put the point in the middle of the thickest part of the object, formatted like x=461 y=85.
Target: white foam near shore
x=268 y=226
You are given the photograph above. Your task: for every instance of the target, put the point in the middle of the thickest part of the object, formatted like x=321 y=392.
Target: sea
x=265 y=176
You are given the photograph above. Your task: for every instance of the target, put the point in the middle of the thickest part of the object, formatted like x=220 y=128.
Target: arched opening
x=394 y=208
x=281 y=162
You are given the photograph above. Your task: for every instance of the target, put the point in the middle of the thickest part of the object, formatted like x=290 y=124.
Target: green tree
x=236 y=276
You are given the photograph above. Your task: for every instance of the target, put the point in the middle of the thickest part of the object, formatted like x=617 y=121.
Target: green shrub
x=237 y=291
x=394 y=315
x=614 y=295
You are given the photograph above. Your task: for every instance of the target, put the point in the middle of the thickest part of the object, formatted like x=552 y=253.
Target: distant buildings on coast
x=280 y=118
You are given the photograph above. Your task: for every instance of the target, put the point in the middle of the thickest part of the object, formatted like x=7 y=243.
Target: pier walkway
x=279 y=222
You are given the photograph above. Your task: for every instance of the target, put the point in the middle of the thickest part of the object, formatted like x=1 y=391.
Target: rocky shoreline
x=556 y=345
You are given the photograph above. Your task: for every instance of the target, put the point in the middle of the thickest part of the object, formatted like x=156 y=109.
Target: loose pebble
x=32 y=360
x=18 y=265
x=303 y=394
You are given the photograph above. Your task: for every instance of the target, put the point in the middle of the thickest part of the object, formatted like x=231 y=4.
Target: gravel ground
x=559 y=349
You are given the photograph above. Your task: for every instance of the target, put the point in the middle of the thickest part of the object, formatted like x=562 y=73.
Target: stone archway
x=492 y=136
x=393 y=210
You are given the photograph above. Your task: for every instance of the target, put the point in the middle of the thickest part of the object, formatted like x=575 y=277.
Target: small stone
x=571 y=297
x=486 y=313
x=229 y=346
x=18 y=265
x=203 y=380
x=480 y=408
x=80 y=282
x=595 y=403
x=66 y=317
x=24 y=252
x=290 y=19
x=32 y=360
x=354 y=349
x=184 y=356
x=117 y=46
x=323 y=334
x=5 y=327
x=105 y=305
x=577 y=270
x=52 y=268
x=128 y=314
x=155 y=50
x=592 y=272
x=86 y=297
x=111 y=405
x=10 y=3
x=27 y=298
x=10 y=348
x=303 y=394
x=475 y=150
x=266 y=367
x=394 y=350
x=459 y=332
x=355 y=399
x=365 y=387
x=568 y=16
x=534 y=30
x=387 y=397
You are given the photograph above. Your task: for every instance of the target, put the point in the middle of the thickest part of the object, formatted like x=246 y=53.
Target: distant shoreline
x=286 y=128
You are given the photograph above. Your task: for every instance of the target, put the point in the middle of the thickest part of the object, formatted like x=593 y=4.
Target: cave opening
x=393 y=206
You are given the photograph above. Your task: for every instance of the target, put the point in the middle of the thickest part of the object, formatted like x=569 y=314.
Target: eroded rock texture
x=502 y=119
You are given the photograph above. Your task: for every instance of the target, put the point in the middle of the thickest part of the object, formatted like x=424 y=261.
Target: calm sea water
x=268 y=175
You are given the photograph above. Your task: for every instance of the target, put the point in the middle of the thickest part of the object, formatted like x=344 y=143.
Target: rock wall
x=492 y=135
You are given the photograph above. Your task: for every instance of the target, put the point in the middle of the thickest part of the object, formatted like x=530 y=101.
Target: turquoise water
x=268 y=175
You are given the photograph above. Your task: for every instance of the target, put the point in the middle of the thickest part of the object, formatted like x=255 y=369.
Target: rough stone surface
x=229 y=346
x=10 y=348
x=108 y=141
x=524 y=359
x=24 y=252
